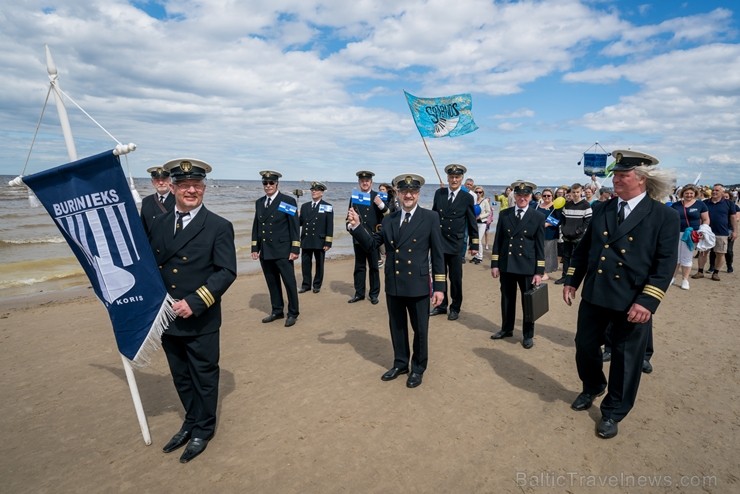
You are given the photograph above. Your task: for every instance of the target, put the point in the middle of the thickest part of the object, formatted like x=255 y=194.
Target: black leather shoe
x=414 y=380
x=453 y=315
x=195 y=447
x=302 y=290
x=606 y=356
x=374 y=300
x=501 y=334
x=527 y=343
x=393 y=373
x=560 y=281
x=647 y=367
x=355 y=299
x=177 y=441
x=316 y=290
x=273 y=317
x=437 y=311
x=290 y=321
x=607 y=428
x=584 y=401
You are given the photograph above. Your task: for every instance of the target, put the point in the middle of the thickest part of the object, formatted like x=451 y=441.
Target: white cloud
x=307 y=86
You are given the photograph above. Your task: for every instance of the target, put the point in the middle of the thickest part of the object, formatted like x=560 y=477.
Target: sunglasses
x=478 y=191
x=546 y=195
x=268 y=182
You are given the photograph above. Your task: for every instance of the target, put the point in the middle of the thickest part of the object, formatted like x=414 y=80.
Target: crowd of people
x=624 y=245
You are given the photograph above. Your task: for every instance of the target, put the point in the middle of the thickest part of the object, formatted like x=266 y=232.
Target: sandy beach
x=304 y=410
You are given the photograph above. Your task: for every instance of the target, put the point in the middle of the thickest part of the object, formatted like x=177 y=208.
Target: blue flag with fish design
x=447 y=116
x=91 y=204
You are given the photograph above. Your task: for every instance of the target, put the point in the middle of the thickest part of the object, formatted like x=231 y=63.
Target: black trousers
x=509 y=285
x=364 y=262
x=649 y=350
x=400 y=311
x=274 y=271
x=307 y=255
x=454 y=270
x=568 y=248
x=629 y=342
x=193 y=362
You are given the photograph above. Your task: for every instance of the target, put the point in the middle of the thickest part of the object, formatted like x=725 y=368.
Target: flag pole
x=72 y=153
x=140 y=415
x=441 y=184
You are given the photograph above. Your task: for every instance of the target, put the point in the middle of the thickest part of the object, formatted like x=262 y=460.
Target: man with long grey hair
x=625 y=261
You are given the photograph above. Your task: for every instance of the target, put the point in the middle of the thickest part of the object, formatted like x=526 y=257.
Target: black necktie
x=315 y=205
x=452 y=197
x=518 y=214
x=161 y=199
x=269 y=200
x=406 y=219
x=178 y=225
x=620 y=214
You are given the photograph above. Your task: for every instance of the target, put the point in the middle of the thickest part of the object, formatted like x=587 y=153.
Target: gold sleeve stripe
x=439 y=277
x=329 y=239
x=476 y=241
x=494 y=257
x=295 y=243
x=653 y=291
x=571 y=272
x=254 y=242
x=540 y=264
x=205 y=294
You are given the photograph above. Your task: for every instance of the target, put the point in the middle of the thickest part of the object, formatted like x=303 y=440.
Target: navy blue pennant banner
x=91 y=204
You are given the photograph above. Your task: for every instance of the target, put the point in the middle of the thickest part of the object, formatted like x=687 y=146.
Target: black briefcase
x=536 y=303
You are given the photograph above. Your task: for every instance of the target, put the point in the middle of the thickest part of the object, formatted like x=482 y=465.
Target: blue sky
x=314 y=89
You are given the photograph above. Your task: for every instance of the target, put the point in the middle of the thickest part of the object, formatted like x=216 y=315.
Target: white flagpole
x=72 y=153
x=51 y=68
x=137 y=400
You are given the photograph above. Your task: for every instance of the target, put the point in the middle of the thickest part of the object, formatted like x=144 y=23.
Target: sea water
x=34 y=257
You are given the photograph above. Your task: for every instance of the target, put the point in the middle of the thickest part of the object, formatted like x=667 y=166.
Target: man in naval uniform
x=195 y=251
x=457 y=220
x=518 y=257
x=625 y=261
x=160 y=202
x=412 y=238
x=317 y=231
x=371 y=216
x=276 y=243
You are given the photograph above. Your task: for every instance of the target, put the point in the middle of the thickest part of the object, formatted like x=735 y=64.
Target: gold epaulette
x=205 y=294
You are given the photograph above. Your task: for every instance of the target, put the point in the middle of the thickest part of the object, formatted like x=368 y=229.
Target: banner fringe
x=153 y=341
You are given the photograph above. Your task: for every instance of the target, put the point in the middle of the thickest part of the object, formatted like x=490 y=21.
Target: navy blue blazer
x=630 y=263
x=456 y=219
x=198 y=265
x=275 y=234
x=519 y=245
x=317 y=228
x=408 y=251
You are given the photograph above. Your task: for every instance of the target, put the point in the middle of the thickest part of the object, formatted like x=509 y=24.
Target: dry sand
x=304 y=409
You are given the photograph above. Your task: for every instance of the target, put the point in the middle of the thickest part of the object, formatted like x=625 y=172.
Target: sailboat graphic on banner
x=87 y=230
